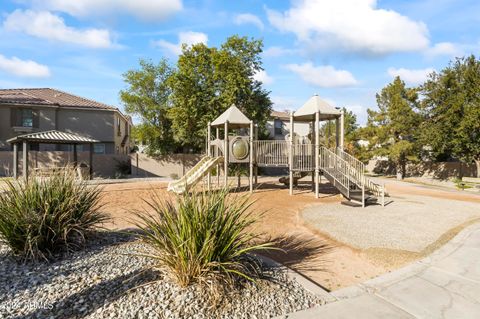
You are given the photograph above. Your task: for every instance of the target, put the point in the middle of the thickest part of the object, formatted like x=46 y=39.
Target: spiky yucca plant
x=202 y=236
x=46 y=215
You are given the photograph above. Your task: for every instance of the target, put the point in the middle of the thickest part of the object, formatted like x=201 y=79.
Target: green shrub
x=202 y=237
x=44 y=216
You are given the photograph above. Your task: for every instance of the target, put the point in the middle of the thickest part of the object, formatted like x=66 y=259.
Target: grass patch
x=203 y=237
x=44 y=216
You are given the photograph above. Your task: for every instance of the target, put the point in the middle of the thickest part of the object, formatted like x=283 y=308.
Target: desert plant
x=43 y=216
x=122 y=167
x=202 y=237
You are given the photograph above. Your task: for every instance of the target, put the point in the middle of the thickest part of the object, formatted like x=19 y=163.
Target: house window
x=79 y=148
x=99 y=148
x=27 y=118
x=278 y=125
x=119 y=132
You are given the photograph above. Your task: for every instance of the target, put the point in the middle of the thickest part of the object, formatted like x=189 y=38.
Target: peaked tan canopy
x=312 y=106
x=233 y=116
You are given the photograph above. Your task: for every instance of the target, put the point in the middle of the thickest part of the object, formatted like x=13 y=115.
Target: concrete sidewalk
x=444 y=285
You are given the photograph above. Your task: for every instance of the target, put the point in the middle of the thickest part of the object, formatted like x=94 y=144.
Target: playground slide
x=296 y=177
x=195 y=174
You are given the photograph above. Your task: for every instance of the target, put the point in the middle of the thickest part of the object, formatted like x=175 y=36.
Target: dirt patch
x=336 y=267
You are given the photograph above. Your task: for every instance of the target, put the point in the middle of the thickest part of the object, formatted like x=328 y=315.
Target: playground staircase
x=347 y=174
x=194 y=175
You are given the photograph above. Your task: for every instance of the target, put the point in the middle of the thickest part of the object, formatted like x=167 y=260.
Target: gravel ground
x=409 y=223
x=98 y=283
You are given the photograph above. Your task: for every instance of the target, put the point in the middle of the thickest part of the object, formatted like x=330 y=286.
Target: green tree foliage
x=350 y=126
x=147 y=98
x=392 y=131
x=451 y=105
x=208 y=80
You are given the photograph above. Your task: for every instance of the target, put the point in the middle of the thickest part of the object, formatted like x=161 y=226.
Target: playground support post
x=342 y=129
x=251 y=157
x=256 y=166
x=209 y=175
x=225 y=155
x=217 y=134
x=317 y=152
x=337 y=132
x=290 y=157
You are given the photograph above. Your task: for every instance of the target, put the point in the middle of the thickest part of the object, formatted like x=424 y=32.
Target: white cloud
x=262 y=76
x=282 y=103
x=352 y=25
x=23 y=68
x=411 y=76
x=45 y=25
x=248 y=18
x=325 y=76
x=143 y=9
x=189 y=38
x=444 y=48
x=275 y=51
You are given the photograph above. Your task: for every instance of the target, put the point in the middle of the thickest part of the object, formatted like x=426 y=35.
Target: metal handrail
x=331 y=161
x=358 y=172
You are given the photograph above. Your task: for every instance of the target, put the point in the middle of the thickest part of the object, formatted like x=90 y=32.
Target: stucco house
x=278 y=125
x=25 y=111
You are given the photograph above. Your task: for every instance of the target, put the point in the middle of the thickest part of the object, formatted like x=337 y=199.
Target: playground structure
x=302 y=155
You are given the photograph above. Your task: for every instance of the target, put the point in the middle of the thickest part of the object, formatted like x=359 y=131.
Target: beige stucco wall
x=301 y=129
x=104 y=165
x=441 y=170
x=4 y=127
x=96 y=124
x=162 y=166
x=119 y=138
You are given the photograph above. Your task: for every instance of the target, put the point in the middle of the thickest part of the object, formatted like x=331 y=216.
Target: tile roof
x=280 y=115
x=48 y=97
x=52 y=137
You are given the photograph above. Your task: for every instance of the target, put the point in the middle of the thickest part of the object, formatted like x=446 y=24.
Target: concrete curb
x=382 y=281
x=369 y=288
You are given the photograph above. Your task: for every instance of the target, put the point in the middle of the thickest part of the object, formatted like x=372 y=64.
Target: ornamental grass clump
x=44 y=216
x=202 y=237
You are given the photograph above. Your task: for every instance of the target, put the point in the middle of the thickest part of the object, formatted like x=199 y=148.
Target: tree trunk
x=399 y=171
x=477 y=163
x=239 y=182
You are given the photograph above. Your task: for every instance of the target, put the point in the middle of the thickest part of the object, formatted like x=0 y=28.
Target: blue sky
x=344 y=50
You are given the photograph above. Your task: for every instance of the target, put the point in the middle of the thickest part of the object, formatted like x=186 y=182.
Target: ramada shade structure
x=48 y=137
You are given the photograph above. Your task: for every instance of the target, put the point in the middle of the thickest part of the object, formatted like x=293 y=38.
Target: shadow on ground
x=300 y=253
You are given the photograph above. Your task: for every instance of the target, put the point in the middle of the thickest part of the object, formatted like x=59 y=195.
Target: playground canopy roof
x=312 y=106
x=233 y=116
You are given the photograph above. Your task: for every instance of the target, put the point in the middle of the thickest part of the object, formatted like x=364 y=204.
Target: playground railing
x=336 y=167
x=303 y=157
x=271 y=152
x=358 y=173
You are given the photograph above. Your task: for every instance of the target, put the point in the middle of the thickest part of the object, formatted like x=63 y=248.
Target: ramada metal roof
x=53 y=137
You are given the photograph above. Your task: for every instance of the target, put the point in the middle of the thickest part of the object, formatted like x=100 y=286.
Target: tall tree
x=451 y=106
x=147 y=98
x=208 y=80
x=350 y=127
x=392 y=131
